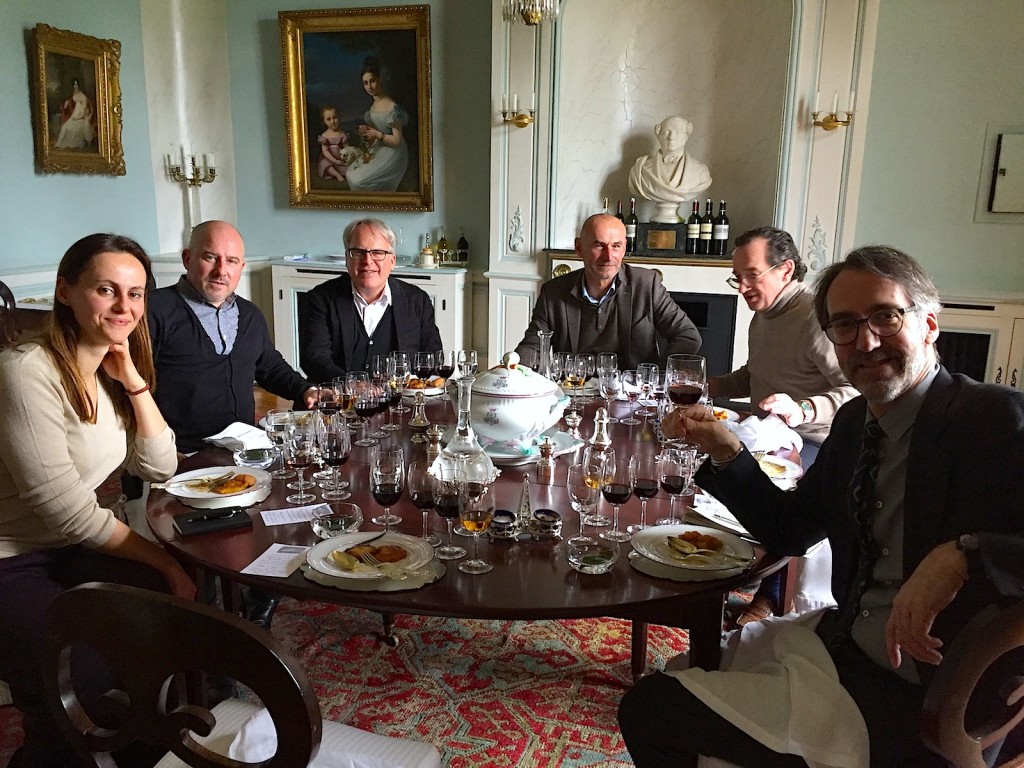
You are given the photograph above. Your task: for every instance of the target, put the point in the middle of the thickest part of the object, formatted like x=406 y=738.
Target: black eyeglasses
x=735 y=281
x=362 y=253
x=882 y=322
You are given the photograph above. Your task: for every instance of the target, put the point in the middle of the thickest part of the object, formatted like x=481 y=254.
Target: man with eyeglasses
x=347 y=320
x=920 y=490
x=609 y=306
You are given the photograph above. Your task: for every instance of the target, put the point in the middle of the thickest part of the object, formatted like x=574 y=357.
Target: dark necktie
x=861 y=503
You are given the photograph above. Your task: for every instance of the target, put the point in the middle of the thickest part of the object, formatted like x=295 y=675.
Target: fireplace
x=715 y=317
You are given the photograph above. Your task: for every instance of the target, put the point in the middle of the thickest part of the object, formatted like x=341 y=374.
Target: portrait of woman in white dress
x=78 y=120
x=383 y=131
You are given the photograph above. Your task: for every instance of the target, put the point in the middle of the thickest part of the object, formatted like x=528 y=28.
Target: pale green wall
x=42 y=214
x=943 y=70
x=460 y=67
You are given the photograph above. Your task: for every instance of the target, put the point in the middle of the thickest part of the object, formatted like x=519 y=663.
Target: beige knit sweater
x=51 y=462
x=789 y=353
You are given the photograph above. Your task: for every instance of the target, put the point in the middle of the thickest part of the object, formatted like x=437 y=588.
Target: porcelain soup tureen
x=512 y=405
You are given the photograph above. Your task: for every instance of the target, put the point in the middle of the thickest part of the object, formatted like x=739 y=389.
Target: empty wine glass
x=476 y=510
x=387 y=480
x=597 y=465
x=616 y=490
x=400 y=369
x=586 y=366
x=421 y=493
x=675 y=472
x=685 y=378
x=335 y=447
x=298 y=454
x=607 y=361
x=631 y=386
x=583 y=495
x=278 y=425
x=446 y=503
x=610 y=382
x=467 y=362
x=644 y=476
x=648 y=374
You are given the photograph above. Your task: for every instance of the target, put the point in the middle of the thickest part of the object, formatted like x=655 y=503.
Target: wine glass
x=648 y=373
x=685 y=378
x=467 y=362
x=644 y=476
x=445 y=363
x=597 y=464
x=586 y=366
x=278 y=425
x=610 y=382
x=355 y=382
x=382 y=396
x=346 y=399
x=476 y=510
x=555 y=360
x=423 y=364
x=675 y=471
x=328 y=403
x=607 y=361
x=366 y=406
x=583 y=494
x=335 y=519
x=446 y=504
x=335 y=447
x=394 y=391
x=421 y=492
x=387 y=479
x=631 y=386
x=574 y=371
x=400 y=368
x=616 y=490
x=298 y=454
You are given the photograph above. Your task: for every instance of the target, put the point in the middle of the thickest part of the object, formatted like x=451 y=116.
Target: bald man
x=609 y=306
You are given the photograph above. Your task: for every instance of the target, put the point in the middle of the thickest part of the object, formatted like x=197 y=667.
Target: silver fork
x=390 y=570
x=758 y=455
x=213 y=481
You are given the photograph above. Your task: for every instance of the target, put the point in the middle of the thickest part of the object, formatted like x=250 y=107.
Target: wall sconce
x=529 y=12
x=196 y=177
x=831 y=120
x=514 y=116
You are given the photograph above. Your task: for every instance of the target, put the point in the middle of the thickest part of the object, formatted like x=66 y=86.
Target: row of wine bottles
x=709 y=234
x=705 y=236
x=445 y=254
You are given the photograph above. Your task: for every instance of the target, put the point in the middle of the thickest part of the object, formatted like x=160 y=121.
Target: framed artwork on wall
x=76 y=103
x=357 y=108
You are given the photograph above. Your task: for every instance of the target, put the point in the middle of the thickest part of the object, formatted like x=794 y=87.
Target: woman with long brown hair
x=75 y=405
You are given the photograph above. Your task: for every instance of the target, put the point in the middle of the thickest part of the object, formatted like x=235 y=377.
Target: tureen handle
x=510 y=359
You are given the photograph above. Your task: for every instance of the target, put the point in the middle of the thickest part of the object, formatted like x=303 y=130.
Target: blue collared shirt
x=607 y=294
x=220 y=323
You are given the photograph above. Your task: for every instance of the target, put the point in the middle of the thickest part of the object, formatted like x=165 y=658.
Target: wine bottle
x=462 y=247
x=604 y=205
x=631 y=224
x=618 y=213
x=720 y=234
x=443 y=250
x=707 y=226
x=693 y=228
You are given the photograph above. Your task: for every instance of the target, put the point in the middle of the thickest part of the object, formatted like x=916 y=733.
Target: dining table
x=531 y=579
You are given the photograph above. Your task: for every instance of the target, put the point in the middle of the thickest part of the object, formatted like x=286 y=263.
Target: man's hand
x=783 y=406
x=310 y=397
x=696 y=424
x=930 y=588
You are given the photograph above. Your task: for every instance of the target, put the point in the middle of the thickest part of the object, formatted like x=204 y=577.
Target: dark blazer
x=328 y=320
x=965 y=474
x=651 y=326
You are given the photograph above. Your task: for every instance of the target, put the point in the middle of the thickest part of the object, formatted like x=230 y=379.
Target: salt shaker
x=433 y=442
x=546 y=464
x=600 y=439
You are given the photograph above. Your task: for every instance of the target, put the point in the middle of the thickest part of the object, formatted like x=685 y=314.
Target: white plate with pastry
x=693 y=547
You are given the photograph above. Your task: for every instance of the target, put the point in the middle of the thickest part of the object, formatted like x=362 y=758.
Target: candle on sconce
x=835 y=102
x=211 y=160
x=817 y=101
x=853 y=100
x=533 y=101
x=183 y=162
x=515 y=103
x=504 y=102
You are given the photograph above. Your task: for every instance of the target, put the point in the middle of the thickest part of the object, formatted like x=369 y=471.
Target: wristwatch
x=968 y=544
x=808 y=408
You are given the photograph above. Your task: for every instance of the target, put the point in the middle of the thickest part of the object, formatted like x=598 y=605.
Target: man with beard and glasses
x=919 y=488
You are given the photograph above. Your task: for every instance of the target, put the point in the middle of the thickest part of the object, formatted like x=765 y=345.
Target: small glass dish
x=546 y=524
x=591 y=555
x=336 y=518
x=260 y=458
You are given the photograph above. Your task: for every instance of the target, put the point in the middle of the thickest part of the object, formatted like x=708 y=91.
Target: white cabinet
x=446 y=288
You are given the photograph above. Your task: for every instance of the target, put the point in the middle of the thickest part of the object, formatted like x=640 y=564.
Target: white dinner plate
x=319 y=557
x=778 y=468
x=724 y=414
x=653 y=543
x=177 y=485
x=302 y=418
x=427 y=391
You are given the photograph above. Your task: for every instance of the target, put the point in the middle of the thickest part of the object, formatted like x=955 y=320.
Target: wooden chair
x=977 y=696
x=150 y=639
x=8 y=332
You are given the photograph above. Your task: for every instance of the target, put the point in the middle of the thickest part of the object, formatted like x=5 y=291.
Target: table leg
x=706 y=634
x=388 y=636
x=638 y=647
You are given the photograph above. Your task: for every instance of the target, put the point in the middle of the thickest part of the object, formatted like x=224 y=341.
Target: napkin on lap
x=240 y=437
x=767 y=434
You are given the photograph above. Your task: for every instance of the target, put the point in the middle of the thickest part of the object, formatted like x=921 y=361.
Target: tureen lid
x=510 y=379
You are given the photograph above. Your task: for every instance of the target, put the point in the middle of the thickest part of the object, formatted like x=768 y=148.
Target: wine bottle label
x=693 y=230
x=705 y=231
x=631 y=230
x=721 y=232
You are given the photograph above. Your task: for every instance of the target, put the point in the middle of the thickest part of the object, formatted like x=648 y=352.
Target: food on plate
x=235 y=484
x=386 y=553
x=416 y=384
x=721 y=414
x=344 y=560
x=435 y=382
x=690 y=541
x=770 y=468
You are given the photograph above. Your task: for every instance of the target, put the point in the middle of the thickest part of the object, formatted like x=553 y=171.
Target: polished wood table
x=531 y=579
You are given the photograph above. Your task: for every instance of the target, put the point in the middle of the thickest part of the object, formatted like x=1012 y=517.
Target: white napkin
x=707 y=505
x=767 y=434
x=240 y=437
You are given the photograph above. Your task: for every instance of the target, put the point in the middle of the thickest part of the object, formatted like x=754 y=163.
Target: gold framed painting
x=357 y=108
x=76 y=104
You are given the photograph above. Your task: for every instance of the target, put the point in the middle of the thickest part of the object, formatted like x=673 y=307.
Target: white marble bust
x=670 y=176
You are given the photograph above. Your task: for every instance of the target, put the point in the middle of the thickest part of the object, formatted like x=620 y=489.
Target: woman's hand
x=119 y=366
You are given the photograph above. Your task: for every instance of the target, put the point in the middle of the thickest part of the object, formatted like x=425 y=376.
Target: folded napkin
x=240 y=437
x=708 y=506
x=767 y=434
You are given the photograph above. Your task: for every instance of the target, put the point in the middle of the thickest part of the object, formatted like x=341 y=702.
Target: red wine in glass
x=644 y=488
x=447 y=505
x=425 y=500
x=423 y=373
x=333 y=456
x=299 y=459
x=366 y=408
x=685 y=394
x=673 y=484
x=616 y=493
x=387 y=494
x=445 y=371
